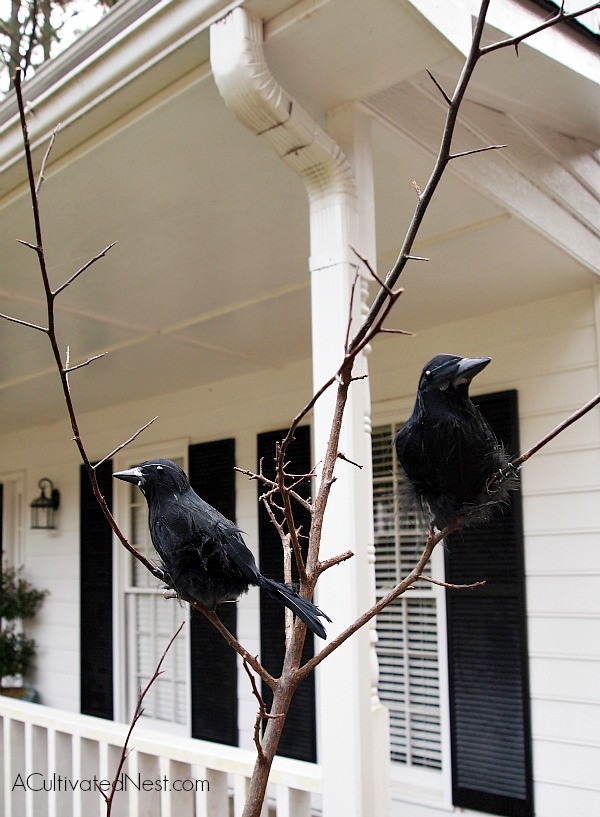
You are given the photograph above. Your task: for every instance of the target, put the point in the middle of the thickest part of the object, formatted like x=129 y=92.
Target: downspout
x=261 y=104
x=355 y=761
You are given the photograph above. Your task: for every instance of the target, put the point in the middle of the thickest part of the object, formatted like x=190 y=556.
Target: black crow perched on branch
x=447 y=449
x=203 y=553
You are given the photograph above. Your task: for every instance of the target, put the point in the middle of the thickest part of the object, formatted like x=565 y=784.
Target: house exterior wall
x=549 y=352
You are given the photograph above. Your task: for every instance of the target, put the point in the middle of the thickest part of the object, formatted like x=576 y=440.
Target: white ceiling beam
x=524 y=177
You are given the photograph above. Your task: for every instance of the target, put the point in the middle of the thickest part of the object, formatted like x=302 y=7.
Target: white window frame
x=410 y=783
x=14 y=517
x=122 y=634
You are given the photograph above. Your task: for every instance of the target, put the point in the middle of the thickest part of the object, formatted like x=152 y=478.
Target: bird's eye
x=159 y=468
x=428 y=374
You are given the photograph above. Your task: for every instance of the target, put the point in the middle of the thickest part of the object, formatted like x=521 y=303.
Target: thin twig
x=334 y=560
x=516 y=462
x=42 y=172
x=439 y=87
x=559 y=17
x=450 y=586
x=262 y=713
x=82 y=269
x=345 y=459
x=400 y=588
x=126 y=443
x=139 y=711
x=27 y=244
x=64 y=377
x=371 y=271
x=474 y=151
x=24 y=323
x=69 y=369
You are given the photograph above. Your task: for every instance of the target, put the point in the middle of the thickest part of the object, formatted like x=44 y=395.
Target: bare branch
x=439 y=87
x=24 y=323
x=372 y=272
x=351 y=310
x=396 y=332
x=232 y=641
x=515 y=464
x=262 y=711
x=82 y=269
x=126 y=443
x=559 y=17
x=87 y=362
x=108 y=798
x=474 y=151
x=449 y=586
x=27 y=244
x=400 y=588
x=518 y=461
x=40 y=180
x=345 y=459
x=334 y=560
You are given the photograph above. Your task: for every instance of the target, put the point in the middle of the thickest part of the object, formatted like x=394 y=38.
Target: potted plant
x=19 y=601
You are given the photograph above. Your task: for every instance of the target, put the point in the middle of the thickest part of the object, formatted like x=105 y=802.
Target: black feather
x=447 y=449
x=203 y=554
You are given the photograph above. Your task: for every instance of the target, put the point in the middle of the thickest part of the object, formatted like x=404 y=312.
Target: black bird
x=447 y=449
x=202 y=552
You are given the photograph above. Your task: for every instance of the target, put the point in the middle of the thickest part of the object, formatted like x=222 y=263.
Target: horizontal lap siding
x=548 y=352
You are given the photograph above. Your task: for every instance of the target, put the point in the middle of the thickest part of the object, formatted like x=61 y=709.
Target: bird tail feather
x=308 y=612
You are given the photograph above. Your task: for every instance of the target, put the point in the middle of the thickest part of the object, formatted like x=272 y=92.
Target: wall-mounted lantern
x=43 y=506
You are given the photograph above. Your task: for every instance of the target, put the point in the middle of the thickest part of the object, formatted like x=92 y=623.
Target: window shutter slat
x=96 y=638
x=213 y=662
x=407 y=646
x=490 y=732
x=298 y=739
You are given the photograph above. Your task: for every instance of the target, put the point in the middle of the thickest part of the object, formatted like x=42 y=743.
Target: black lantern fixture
x=43 y=507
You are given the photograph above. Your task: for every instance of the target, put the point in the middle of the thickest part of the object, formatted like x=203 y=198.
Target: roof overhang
x=209 y=279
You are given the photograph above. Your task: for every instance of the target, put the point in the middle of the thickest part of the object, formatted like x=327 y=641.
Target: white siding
x=242 y=408
x=548 y=351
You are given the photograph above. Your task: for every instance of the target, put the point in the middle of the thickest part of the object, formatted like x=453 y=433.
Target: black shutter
x=213 y=662
x=298 y=739
x=95 y=570
x=487 y=650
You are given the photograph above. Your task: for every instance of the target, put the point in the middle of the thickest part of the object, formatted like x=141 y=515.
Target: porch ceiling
x=209 y=277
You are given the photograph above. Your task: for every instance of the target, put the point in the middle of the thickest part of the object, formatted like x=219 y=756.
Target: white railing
x=51 y=762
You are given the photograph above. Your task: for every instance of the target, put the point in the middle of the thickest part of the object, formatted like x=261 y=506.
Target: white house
x=236 y=151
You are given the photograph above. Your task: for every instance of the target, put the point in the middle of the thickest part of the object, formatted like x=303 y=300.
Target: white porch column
x=352 y=725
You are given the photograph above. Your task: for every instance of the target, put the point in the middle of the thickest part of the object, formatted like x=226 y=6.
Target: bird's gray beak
x=133 y=475
x=468 y=368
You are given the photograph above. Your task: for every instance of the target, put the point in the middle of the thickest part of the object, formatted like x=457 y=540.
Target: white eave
x=149 y=156
x=136 y=51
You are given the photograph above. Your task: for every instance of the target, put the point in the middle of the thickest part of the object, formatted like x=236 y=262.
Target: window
x=489 y=732
x=186 y=698
x=407 y=629
x=151 y=623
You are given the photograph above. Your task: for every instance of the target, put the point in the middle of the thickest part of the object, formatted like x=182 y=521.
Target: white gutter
x=135 y=51
x=261 y=104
